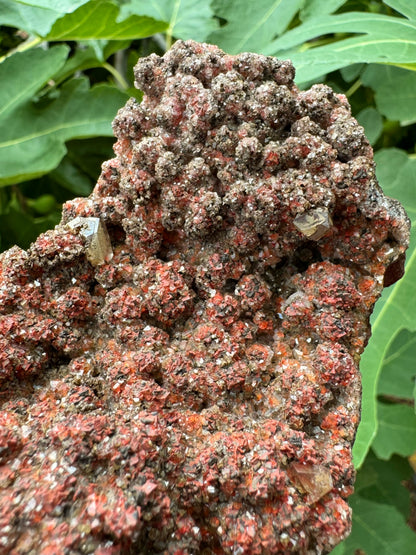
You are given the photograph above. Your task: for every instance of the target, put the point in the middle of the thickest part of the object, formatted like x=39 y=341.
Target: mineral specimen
x=199 y=391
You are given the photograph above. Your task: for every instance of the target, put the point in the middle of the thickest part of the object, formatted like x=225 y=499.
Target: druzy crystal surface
x=197 y=392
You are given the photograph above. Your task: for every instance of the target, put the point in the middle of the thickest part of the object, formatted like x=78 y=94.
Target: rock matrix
x=179 y=356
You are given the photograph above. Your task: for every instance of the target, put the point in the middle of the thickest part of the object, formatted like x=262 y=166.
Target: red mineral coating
x=199 y=391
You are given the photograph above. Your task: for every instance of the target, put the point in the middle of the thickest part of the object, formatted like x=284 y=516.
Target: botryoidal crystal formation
x=179 y=357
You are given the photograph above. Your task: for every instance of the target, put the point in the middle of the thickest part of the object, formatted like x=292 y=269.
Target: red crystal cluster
x=198 y=391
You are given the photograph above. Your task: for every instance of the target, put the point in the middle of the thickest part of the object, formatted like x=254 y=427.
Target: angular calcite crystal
x=98 y=245
x=179 y=357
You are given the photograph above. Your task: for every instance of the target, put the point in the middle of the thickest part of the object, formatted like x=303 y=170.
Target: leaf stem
x=169 y=32
x=354 y=87
x=161 y=41
x=29 y=43
x=117 y=75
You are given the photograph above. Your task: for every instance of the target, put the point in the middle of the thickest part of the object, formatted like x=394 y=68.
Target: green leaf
x=22 y=83
x=380 y=497
x=98 y=20
x=382 y=39
x=44 y=204
x=378 y=529
x=61 y=6
x=314 y=8
x=372 y=122
x=88 y=154
x=251 y=25
x=35 y=16
x=406 y=7
x=382 y=482
x=79 y=169
x=395 y=91
x=15 y=227
x=88 y=55
x=350 y=73
x=396 y=308
x=396 y=431
x=82 y=59
x=373 y=75
x=339 y=549
x=105 y=48
x=398 y=374
x=396 y=172
x=18 y=228
x=33 y=139
x=188 y=19
x=69 y=176
x=350 y=22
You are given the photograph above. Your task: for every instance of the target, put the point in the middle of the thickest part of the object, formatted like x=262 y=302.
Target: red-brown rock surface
x=198 y=390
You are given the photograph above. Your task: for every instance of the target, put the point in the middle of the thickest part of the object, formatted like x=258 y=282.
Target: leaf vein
x=258 y=24
x=52 y=130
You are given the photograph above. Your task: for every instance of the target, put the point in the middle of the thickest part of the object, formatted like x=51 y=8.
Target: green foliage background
x=66 y=68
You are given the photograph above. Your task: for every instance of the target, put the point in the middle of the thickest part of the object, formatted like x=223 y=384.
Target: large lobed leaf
x=381 y=39
x=396 y=172
x=398 y=375
x=396 y=431
x=78 y=170
x=34 y=134
x=187 y=19
x=251 y=25
x=99 y=19
x=396 y=309
x=77 y=20
x=33 y=140
x=377 y=529
x=372 y=122
x=25 y=73
x=394 y=91
x=19 y=228
x=314 y=8
x=405 y=7
x=33 y=137
x=36 y=16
